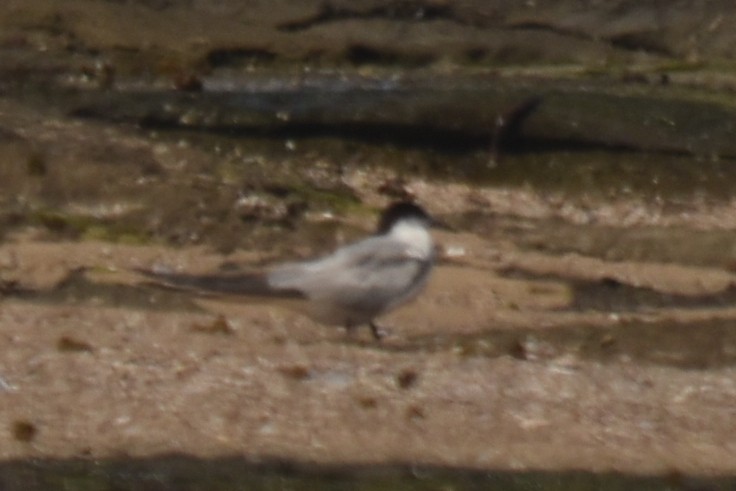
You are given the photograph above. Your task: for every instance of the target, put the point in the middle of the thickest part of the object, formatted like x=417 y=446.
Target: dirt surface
x=172 y=36
x=472 y=375
x=581 y=317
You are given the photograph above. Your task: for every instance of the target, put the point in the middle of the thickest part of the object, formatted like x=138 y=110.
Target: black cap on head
x=399 y=211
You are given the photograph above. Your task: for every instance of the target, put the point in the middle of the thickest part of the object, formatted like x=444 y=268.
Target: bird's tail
x=245 y=284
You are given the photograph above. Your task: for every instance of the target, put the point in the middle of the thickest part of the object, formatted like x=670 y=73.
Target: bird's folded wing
x=375 y=269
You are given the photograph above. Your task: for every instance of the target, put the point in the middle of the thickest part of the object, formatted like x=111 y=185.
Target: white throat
x=416 y=237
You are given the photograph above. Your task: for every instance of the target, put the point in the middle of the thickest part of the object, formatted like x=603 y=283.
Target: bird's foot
x=378 y=332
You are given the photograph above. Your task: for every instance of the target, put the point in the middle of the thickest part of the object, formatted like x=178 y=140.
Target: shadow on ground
x=176 y=472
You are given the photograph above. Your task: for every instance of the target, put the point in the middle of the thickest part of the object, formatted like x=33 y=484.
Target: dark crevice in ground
x=398 y=11
x=176 y=471
x=611 y=295
x=76 y=288
x=631 y=42
x=225 y=57
x=702 y=345
x=416 y=136
x=641 y=43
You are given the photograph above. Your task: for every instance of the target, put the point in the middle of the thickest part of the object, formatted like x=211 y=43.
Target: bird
x=350 y=287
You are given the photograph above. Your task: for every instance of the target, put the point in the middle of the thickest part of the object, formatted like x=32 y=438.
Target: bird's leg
x=350 y=330
x=377 y=332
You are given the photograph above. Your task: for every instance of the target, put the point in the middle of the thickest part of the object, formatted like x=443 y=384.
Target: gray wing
x=369 y=277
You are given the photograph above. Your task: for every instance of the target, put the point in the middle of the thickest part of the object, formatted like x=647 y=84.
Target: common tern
x=350 y=287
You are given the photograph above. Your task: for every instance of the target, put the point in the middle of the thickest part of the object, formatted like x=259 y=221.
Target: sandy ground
x=590 y=332
x=104 y=372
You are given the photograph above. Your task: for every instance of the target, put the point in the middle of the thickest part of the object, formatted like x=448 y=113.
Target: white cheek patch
x=416 y=237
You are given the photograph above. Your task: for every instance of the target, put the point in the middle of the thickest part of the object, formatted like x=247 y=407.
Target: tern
x=349 y=287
